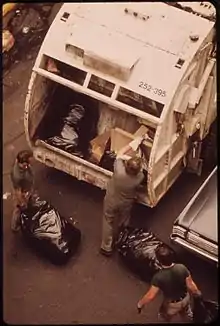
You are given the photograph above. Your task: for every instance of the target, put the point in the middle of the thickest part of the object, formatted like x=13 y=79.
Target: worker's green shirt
x=172 y=281
x=22 y=178
x=122 y=188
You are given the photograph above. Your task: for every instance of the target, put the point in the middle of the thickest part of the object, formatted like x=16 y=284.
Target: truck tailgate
x=76 y=166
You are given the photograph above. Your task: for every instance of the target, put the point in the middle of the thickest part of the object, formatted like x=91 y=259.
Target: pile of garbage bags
x=48 y=233
x=136 y=247
x=26 y=24
x=71 y=131
x=70 y=122
x=204 y=311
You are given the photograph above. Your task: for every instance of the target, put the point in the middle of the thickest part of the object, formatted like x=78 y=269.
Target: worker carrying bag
x=204 y=311
x=47 y=232
x=137 y=247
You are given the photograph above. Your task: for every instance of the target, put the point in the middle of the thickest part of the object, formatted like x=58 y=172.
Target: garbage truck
x=133 y=70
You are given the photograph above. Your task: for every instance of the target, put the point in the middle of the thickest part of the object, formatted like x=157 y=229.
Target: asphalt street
x=91 y=288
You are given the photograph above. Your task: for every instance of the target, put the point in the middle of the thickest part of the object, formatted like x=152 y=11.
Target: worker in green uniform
x=120 y=195
x=23 y=184
x=176 y=283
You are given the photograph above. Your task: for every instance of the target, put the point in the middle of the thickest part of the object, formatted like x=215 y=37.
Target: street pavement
x=91 y=288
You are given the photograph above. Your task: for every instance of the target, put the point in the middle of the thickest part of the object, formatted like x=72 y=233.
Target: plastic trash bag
x=69 y=133
x=107 y=160
x=69 y=139
x=68 y=145
x=28 y=28
x=75 y=115
x=47 y=232
x=136 y=247
x=29 y=17
x=204 y=311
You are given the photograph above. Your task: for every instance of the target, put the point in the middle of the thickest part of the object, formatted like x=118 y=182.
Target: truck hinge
x=194 y=163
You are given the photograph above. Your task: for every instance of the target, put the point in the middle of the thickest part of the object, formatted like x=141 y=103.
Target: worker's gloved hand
x=146 y=137
x=134 y=144
x=197 y=295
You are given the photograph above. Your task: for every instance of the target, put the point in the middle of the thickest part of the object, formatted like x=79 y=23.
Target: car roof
x=200 y=214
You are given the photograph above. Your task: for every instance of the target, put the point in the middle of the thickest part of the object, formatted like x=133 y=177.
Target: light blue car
x=196 y=228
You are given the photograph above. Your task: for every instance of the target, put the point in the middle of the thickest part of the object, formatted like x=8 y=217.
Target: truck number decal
x=150 y=88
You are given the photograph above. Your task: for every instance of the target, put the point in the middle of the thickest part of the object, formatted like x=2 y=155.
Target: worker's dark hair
x=24 y=156
x=164 y=255
x=133 y=165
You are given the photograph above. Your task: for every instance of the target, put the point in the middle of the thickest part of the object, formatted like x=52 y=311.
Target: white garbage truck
x=138 y=69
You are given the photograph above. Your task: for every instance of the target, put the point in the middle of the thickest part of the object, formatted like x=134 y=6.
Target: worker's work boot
x=105 y=252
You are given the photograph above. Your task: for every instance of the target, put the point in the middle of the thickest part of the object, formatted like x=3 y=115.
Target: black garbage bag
x=69 y=138
x=78 y=119
x=68 y=133
x=67 y=110
x=29 y=28
x=68 y=145
x=75 y=115
x=136 y=247
x=204 y=311
x=107 y=160
x=26 y=16
x=47 y=232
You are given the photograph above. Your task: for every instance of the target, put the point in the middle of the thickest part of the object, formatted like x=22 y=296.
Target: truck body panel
x=167 y=81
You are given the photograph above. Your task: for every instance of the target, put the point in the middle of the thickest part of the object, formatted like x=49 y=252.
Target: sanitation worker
x=23 y=181
x=120 y=194
x=176 y=284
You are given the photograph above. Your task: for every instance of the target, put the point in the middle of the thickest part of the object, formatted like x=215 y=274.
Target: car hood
x=201 y=213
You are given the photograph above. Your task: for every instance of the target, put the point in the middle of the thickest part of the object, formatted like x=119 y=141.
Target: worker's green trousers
x=114 y=215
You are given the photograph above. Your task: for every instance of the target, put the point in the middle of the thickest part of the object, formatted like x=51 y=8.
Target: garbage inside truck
x=48 y=233
x=164 y=87
x=89 y=129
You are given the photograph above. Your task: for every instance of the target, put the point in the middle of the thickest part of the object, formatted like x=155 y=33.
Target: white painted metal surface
x=155 y=51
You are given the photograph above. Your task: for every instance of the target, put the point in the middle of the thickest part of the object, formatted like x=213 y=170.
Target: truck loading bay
x=90 y=289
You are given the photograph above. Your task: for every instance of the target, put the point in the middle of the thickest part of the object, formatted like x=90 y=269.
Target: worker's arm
x=191 y=286
x=22 y=197
x=122 y=153
x=18 y=195
x=149 y=296
x=133 y=145
x=141 y=188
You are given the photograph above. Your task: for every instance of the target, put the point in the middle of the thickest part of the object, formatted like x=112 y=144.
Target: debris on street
x=204 y=311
